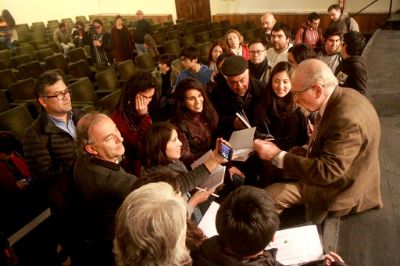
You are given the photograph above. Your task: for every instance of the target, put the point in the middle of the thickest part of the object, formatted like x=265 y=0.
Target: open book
x=242 y=143
x=216 y=177
x=296 y=246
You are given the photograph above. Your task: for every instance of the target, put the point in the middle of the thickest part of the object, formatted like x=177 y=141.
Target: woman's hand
x=332 y=257
x=215 y=158
x=216 y=152
x=200 y=197
x=235 y=171
x=141 y=104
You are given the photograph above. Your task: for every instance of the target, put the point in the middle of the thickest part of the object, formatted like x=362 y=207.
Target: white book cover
x=244 y=120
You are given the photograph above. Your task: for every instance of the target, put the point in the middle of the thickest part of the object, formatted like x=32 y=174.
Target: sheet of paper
x=297 y=245
x=216 y=177
x=242 y=154
x=201 y=160
x=242 y=139
x=207 y=223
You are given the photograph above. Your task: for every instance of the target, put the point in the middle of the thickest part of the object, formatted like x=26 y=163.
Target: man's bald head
x=312 y=82
x=314 y=71
x=268 y=22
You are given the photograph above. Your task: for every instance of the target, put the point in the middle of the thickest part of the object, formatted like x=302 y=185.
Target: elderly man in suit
x=338 y=173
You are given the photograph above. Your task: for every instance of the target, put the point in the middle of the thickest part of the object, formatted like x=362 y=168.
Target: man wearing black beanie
x=237 y=93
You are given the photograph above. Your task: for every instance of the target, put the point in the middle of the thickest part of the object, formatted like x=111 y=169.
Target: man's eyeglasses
x=258 y=52
x=60 y=95
x=297 y=93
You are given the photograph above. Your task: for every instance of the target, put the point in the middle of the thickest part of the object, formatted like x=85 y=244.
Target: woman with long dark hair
x=278 y=117
x=195 y=117
x=217 y=48
x=132 y=116
x=161 y=153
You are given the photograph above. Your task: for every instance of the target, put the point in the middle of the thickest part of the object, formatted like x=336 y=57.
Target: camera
x=225 y=151
x=92 y=32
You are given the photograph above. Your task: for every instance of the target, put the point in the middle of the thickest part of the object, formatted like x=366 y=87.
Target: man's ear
x=318 y=91
x=42 y=102
x=90 y=149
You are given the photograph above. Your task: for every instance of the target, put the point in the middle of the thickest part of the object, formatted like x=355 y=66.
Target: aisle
x=373 y=238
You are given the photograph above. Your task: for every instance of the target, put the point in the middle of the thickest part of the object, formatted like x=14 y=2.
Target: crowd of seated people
x=91 y=168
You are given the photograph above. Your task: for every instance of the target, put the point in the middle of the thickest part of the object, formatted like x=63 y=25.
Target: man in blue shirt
x=190 y=58
x=50 y=146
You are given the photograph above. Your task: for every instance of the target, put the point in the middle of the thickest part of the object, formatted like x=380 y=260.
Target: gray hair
x=85 y=126
x=151 y=228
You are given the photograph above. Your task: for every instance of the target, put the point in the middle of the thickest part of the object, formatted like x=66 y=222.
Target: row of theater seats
x=38 y=33
x=90 y=90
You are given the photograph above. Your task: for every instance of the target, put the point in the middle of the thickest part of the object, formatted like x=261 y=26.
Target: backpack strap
x=347 y=22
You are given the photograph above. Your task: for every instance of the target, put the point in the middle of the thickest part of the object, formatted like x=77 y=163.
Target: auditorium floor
x=373 y=238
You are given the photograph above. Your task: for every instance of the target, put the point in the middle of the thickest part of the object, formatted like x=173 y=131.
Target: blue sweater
x=203 y=75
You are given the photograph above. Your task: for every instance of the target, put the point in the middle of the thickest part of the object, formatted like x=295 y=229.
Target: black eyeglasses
x=60 y=95
x=258 y=52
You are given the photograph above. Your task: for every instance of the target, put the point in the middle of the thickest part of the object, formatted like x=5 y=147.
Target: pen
x=202 y=189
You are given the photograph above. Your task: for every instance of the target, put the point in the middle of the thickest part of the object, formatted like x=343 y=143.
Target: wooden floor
x=373 y=238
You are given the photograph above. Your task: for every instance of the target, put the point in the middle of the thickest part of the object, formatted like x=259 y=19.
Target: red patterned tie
x=314 y=134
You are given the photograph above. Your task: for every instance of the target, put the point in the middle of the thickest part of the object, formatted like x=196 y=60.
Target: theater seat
x=126 y=69
x=16 y=120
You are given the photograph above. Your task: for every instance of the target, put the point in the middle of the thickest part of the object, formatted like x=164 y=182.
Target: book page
x=242 y=154
x=217 y=175
x=201 y=160
x=207 y=223
x=297 y=245
x=216 y=178
x=242 y=139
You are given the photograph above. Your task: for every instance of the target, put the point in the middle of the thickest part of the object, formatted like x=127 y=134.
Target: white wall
x=293 y=6
x=27 y=11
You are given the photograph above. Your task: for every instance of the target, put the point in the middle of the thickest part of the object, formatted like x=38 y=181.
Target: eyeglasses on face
x=60 y=95
x=297 y=93
x=257 y=52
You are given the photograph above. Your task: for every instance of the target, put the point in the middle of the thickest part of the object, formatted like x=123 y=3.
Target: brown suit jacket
x=342 y=173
